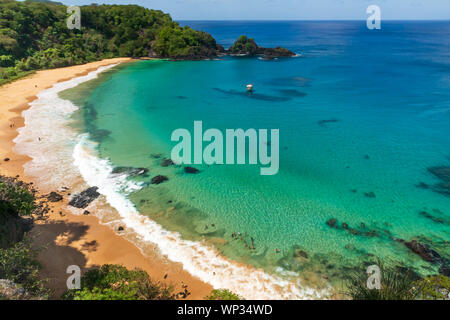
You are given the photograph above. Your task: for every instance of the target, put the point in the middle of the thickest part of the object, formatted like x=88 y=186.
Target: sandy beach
x=70 y=239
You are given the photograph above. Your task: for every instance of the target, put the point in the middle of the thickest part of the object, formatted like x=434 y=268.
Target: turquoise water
x=362 y=116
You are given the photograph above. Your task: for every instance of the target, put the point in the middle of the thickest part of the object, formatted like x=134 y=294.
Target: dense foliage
x=396 y=284
x=34 y=35
x=244 y=45
x=19 y=264
x=17 y=257
x=115 y=282
x=222 y=294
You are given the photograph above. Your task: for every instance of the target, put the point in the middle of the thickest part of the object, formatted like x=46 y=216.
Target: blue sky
x=289 y=9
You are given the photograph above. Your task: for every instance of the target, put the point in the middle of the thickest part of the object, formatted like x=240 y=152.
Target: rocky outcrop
x=159 y=179
x=245 y=46
x=83 y=199
x=443 y=174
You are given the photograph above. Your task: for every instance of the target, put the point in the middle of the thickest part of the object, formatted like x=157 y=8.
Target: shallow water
x=362 y=115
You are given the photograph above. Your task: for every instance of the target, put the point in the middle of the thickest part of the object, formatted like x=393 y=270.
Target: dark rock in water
x=366 y=157
x=442 y=173
x=300 y=253
x=181 y=97
x=6 y=159
x=159 y=179
x=433 y=218
x=54 y=197
x=86 y=212
x=120 y=228
x=130 y=171
x=332 y=223
x=423 y=251
x=445 y=269
x=354 y=190
x=323 y=122
x=99 y=134
x=191 y=170
x=369 y=194
x=422 y=185
x=156 y=155
x=344 y=225
x=354 y=232
x=278 y=52
x=167 y=162
x=83 y=199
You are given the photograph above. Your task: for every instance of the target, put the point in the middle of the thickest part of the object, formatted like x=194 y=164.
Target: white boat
x=249 y=87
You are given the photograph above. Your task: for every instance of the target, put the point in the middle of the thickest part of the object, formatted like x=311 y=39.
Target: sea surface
x=364 y=121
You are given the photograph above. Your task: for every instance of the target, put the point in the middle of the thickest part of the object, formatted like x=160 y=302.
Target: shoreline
x=71 y=239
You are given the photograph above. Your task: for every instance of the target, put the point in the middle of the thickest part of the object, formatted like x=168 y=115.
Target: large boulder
x=83 y=199
x=423 y=251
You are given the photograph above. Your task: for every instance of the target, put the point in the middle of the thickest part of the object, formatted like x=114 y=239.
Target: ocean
x=364 y=124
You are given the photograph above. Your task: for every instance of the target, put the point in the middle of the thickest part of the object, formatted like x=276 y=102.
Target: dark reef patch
x=326 y=121
x=438 y=216
x=443 y=174
x=257 y=96
x=292 y=93
x=159 y=179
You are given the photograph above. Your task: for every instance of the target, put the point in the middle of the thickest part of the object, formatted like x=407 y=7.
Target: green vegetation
x=244 y=45
x=34 y=35
x=223 y=294
x=434 y=288
x=18 y=264
x=115 y=282
x=397 y=283
x=17 y=257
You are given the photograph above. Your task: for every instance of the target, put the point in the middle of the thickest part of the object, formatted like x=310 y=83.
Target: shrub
x=434 y=288
x=18 y=264
x=115 y=282
x=396 y=284
x=223 y=294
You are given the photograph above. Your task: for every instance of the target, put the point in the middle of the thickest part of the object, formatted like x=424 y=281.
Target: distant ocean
x=364 y=120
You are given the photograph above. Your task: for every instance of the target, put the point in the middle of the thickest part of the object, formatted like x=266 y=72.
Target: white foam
x=63 y=154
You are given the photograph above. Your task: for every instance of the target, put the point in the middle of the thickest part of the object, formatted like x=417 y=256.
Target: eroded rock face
x=83 y=199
